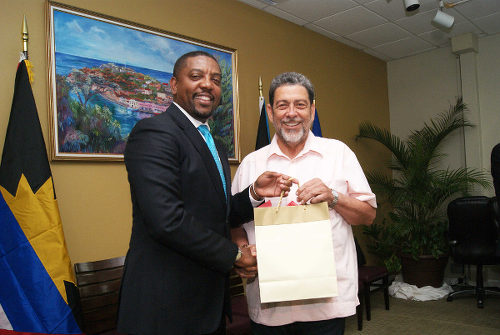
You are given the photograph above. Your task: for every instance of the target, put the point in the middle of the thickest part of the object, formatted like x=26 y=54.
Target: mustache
x=290 y=119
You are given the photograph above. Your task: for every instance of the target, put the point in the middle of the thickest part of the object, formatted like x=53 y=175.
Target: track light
x=442 y=19
x=453 y=4
x=411 y=5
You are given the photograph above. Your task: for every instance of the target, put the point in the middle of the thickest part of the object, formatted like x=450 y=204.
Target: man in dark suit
x=176 y=271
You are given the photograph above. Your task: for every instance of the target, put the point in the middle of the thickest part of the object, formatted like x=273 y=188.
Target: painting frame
x=95 y=101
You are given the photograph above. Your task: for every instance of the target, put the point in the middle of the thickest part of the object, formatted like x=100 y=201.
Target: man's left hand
x=314 y=191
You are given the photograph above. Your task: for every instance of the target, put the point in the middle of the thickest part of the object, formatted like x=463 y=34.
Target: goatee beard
x=292 y=137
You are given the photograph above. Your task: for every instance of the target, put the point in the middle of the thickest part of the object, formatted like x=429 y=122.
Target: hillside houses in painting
x=123 y=86
x=97 y=107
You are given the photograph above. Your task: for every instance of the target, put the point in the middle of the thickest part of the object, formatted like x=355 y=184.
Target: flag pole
x=260 y=87
x=263 y=127
x=25 y=37
x=24 y=54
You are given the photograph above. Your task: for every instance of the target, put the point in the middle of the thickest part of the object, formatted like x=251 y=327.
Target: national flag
x=35 y=269
x=316 y=128
x=263 y=138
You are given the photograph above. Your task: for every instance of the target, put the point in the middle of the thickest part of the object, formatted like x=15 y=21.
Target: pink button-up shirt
x=337 y=166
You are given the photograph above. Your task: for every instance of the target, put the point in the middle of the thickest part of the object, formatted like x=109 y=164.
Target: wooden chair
x=359 y=308
x=241 y=321
x=369 y=277
x=99 y=287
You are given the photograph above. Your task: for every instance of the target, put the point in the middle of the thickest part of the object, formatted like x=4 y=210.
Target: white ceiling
x=383 y=28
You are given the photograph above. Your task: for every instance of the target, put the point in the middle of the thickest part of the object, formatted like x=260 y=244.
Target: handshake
x=246 y=266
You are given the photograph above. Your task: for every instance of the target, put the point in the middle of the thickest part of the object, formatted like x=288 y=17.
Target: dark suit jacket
x=180 y=253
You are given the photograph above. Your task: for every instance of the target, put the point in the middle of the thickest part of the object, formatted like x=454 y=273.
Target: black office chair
x=473 y=237
x=495 y=206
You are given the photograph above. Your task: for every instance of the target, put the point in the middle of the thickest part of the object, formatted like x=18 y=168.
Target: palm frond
x=384 y=137
x=418 y=190
x=426 y=141
x=447 y=183
x=383 y=184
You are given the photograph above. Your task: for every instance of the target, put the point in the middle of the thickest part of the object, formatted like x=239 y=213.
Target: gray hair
x=291 y=78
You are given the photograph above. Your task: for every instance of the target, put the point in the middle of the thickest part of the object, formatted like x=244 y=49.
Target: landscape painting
x=106 y=74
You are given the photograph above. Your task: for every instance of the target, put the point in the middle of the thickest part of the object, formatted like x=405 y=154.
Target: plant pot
x=426 y=271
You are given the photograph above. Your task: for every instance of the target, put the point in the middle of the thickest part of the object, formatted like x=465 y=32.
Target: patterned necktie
x=211 y=145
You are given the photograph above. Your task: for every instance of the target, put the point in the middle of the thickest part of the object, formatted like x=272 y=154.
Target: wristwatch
x=335 y=198
x=238 y=255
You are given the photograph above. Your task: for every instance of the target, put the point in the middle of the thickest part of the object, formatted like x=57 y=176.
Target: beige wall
x=94 y=197
x=488 y=71
x=424 y=85
x=420 y=87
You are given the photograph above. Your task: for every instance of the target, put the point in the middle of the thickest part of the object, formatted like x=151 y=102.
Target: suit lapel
x=199 y=143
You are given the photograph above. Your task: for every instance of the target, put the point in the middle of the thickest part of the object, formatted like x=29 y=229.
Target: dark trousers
x=324 y=327
x=222 y=327
x=220 y=331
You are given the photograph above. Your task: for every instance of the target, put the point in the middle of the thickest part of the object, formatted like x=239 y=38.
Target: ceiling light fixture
x=411 y=5
x=272 y=2
x=453 y=4
x=441 y=19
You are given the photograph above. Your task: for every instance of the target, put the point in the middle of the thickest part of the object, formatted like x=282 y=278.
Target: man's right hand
x=271 y=184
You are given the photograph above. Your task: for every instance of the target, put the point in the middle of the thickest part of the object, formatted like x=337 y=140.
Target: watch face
x=335 y=198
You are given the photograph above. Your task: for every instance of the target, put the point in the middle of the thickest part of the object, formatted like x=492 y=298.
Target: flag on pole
x=263 y=138
x=35 y=268
x=316 y=128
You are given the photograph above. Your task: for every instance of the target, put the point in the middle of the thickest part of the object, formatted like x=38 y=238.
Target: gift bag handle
x=282 y=193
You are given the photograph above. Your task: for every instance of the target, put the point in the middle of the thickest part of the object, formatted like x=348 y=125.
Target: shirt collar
x=312 y=145
x=195 y=122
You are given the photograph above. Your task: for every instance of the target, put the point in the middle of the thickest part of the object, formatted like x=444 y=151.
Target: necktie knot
x=213 y=150
x=204 y=130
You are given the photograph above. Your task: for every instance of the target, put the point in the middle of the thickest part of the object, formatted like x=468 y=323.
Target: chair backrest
x=495 y=207
x=359 y=252
x=99 y=287
x=236 y=286
x=240 y=323
x=472 y=230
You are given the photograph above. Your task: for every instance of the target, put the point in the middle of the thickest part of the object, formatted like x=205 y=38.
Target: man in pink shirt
x=326 y=170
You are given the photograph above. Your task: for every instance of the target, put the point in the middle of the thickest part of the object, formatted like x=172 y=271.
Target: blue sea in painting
x=127 y=117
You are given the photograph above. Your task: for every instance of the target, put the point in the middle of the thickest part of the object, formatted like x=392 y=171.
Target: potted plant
x=414 y=229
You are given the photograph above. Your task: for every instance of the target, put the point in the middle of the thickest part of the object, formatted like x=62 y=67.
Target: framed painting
x=107 y=73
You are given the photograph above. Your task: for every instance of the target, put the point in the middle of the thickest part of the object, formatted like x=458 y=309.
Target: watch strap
x=335 y=198
x=238 y=255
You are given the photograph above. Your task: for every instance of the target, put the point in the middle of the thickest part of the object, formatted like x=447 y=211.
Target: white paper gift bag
x=295 y=253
